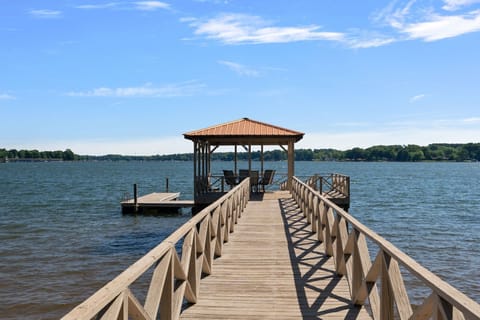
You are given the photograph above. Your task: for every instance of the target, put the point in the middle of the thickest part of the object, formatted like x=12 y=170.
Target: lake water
x=62 y=234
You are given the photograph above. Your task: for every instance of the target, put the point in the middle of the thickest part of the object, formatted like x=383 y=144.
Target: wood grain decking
x=155 y=202
x=273 y=268
x=153 y=198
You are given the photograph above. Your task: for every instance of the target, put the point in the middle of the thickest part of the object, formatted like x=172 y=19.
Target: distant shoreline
x=133 y=160
x=468 y=152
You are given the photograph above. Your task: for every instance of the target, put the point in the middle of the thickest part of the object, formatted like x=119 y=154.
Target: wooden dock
x=281 y=255
x=155 y=202
x=273 y=268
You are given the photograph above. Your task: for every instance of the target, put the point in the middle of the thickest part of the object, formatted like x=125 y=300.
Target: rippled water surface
x=62 y=235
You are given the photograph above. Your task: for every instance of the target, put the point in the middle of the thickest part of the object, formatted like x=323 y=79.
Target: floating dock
x=157 y=202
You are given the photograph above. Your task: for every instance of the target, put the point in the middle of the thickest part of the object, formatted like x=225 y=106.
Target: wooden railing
x=378 y=283
x=218 y=183
x=174 y=278
x=334 y=183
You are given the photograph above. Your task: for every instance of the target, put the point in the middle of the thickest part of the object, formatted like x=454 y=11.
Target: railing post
x=348 y=187
x=386 y=295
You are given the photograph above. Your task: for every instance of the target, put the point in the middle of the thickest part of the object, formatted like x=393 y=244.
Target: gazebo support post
x=195 y=147
x=261 y=160
x=291 y=162
x=209 y=150
x=249 y=158
x=236 y=159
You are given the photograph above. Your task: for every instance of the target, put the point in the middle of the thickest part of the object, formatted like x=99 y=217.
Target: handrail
x=334 y=183
x=380 y=281
x=174 y=278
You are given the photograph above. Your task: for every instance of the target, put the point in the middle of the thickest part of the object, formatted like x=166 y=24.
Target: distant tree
x=304 y=155
x=58 y=154
x=433 y=152
x=12 y=154
x=383 y=153
x=411 y=153
x=34 y=154
x=473 y=150
x=68 y=155
x=327 y=154
x=403 y=155
x=275 y=155
x=450 y=153
x=355 y=154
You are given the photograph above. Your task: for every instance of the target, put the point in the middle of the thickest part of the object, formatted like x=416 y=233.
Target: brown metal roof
x=244 y=128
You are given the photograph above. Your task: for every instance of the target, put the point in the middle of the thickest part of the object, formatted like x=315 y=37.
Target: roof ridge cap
x=245 y=120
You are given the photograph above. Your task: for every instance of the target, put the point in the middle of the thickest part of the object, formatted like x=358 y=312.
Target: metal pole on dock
x=135 y=203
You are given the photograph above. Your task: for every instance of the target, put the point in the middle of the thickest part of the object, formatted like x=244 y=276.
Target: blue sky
x=131 y=77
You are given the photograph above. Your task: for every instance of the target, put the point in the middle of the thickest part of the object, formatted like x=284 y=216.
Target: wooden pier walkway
x=273 y=268
x=282 y=255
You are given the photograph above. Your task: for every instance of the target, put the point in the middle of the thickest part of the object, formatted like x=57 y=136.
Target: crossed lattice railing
x=333 y=183
x=174 y=278
x=378 y=283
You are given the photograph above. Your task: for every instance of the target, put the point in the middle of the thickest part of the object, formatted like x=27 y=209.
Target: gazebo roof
x=244 y=131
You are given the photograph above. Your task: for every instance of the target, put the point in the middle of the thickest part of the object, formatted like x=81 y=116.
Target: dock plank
x=273 y=268
x=153 y=198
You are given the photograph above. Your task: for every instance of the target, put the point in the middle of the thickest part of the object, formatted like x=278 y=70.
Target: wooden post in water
x=166 y=185
x=135 y=196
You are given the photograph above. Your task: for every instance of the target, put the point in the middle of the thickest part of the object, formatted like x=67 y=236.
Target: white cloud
x=400 y=20
x=151 y=5
x=417 y=97
x=415 y=21
x=363 y=43
x=5 y=96
x=399 y=15
x=98 y=6
x=243 y=29
x=170 y=90
x=240 y=69
x=136 y=5
x=452 y=5
x=439 y=27
x=45 y=13
x=188 y=19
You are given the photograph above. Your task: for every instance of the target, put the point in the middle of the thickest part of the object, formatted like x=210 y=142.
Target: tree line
x=13 y=154
x=432 y=152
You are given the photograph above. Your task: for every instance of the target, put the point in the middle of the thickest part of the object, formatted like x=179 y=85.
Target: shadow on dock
x=312 y=276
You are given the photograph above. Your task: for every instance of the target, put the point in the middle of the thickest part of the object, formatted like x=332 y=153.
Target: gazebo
x=245 y=133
